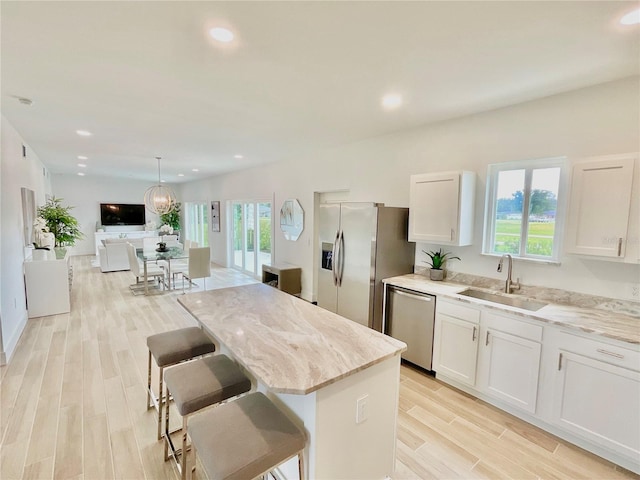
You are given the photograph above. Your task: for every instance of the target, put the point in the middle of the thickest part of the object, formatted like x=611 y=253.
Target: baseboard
x=10 y=347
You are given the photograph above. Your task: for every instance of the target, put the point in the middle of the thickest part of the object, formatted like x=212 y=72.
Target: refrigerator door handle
x=341 y=258
x=334 y=259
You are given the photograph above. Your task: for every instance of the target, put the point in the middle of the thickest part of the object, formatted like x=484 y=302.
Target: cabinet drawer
x=458 y=310
x=513 y=326
x=604 y=352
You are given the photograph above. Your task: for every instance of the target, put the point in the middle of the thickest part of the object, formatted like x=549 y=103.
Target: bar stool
x=245 y=438
x=194 y=386
x=170 y=348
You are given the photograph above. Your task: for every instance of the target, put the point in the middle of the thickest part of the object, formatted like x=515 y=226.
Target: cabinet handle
x=453 y=234
x=559 y=362
x=620 y=246
x=486 y=340
x=611 y=354
x=473 y=335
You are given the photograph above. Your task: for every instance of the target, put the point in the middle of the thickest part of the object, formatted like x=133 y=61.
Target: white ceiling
x=146 y=79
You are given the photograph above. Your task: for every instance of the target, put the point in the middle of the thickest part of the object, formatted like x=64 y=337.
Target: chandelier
x=159 y=198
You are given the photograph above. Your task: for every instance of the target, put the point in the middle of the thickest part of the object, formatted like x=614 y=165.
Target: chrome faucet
x=509 y=285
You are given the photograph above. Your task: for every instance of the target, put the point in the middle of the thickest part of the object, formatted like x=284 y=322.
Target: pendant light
x=159 y=198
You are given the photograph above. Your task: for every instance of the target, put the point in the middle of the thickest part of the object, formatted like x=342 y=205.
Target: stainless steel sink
x=525 y=303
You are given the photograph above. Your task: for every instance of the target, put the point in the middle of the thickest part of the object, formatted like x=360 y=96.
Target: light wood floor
x=72 y=402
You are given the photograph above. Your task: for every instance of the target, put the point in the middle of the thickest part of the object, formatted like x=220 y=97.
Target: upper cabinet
x=441 y=208
x=600 y=206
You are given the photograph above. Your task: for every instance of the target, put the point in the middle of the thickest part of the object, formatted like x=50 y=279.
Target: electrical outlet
x=362 y=410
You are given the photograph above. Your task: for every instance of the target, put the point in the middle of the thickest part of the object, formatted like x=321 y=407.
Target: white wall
x=593 y=121
x=86 y=194
x=16 y=172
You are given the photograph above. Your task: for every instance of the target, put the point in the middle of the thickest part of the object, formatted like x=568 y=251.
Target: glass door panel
x=237 y=240
x=264 y=235
x=251 y=236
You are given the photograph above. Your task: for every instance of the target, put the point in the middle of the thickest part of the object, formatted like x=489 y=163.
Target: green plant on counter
x=172 y=218
x=439 y=258
x=61 y=223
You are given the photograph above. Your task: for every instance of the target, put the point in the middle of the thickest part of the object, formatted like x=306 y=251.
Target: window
x=524 y=208
x=196 y=223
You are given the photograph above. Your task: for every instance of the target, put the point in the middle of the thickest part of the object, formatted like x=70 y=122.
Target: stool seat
x=245 y=438
x=194 y=386
x=210 y=380
x=177 y=345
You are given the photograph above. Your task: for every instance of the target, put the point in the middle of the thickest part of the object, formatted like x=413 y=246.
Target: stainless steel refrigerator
x=360 y=244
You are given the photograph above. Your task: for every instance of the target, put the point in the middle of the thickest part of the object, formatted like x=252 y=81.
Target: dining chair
x=153 y=270
x=199 y=265
x=150 y=243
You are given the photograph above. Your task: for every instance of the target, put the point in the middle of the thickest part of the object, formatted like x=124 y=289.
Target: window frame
x=493 y=170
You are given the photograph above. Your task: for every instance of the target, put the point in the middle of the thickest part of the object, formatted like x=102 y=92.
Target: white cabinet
x=597 y=393
x=455 y=348
x=600 y=200
x=48 y=283
x=509 y=361
x=441 y=208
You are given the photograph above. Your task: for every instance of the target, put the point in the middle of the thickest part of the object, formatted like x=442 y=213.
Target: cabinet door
x=433 y=208
x=511 y=365
x=456 y=349
x=599 y=207
x=598 y=401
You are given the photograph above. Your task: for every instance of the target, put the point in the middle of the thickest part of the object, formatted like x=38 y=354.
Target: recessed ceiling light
x=195 y=170
x=84 y=133
x=181 y=174
x=631 y=18
x=391 y=101
x=82 y=157
x=81 y=165
x=81 y=174
x=221 y=34
x=238 y=156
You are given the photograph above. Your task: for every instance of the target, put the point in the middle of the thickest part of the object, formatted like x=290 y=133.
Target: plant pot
x=437 y=275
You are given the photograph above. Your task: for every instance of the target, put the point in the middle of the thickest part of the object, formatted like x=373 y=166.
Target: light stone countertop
x=288 y=344
x=612 y=324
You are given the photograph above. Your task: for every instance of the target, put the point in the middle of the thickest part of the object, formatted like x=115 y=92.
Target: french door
x=251 y=235
x=197 y=223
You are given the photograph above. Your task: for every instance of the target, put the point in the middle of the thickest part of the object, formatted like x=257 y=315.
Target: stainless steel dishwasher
x=410 y=317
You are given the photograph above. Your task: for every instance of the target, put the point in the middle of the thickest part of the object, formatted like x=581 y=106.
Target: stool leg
x=167 y=435
x=160 y=402
x=301 y=465
x=183 y=460
x=149 y=405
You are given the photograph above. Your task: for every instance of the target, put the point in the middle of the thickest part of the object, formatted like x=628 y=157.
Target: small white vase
x=436 y=275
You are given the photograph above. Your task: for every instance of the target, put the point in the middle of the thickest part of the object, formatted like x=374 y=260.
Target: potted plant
x=60 y=222
x=437 y=261
x=172 y=218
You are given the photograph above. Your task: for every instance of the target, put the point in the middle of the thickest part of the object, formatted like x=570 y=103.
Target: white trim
x=10 y=347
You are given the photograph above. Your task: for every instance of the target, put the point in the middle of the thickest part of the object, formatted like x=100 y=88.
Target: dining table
x=174 y=252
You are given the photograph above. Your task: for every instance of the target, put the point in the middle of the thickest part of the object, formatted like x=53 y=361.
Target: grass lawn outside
x=539 y=241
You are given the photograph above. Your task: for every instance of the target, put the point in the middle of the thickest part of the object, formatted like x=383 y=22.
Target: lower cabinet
x=509 y=363
x=596 y=395
x=455 y=350
x=579 y=386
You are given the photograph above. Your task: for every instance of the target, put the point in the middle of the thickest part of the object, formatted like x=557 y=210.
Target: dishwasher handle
x=416 y=296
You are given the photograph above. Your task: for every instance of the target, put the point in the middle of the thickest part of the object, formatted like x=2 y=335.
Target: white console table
x=99 y=236
x=48 y=284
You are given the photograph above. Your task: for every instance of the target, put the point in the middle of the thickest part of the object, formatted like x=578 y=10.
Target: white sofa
x=113 y=253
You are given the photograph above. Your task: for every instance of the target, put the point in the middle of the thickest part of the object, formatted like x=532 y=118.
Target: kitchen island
x=338 y=379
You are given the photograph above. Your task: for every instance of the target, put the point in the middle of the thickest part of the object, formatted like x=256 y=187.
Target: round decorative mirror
x=291 y=219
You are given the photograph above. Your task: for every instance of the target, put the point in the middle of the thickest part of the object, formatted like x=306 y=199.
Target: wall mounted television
x=122 y=214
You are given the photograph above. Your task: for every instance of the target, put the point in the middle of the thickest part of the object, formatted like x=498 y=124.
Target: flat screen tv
x=122 y=214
